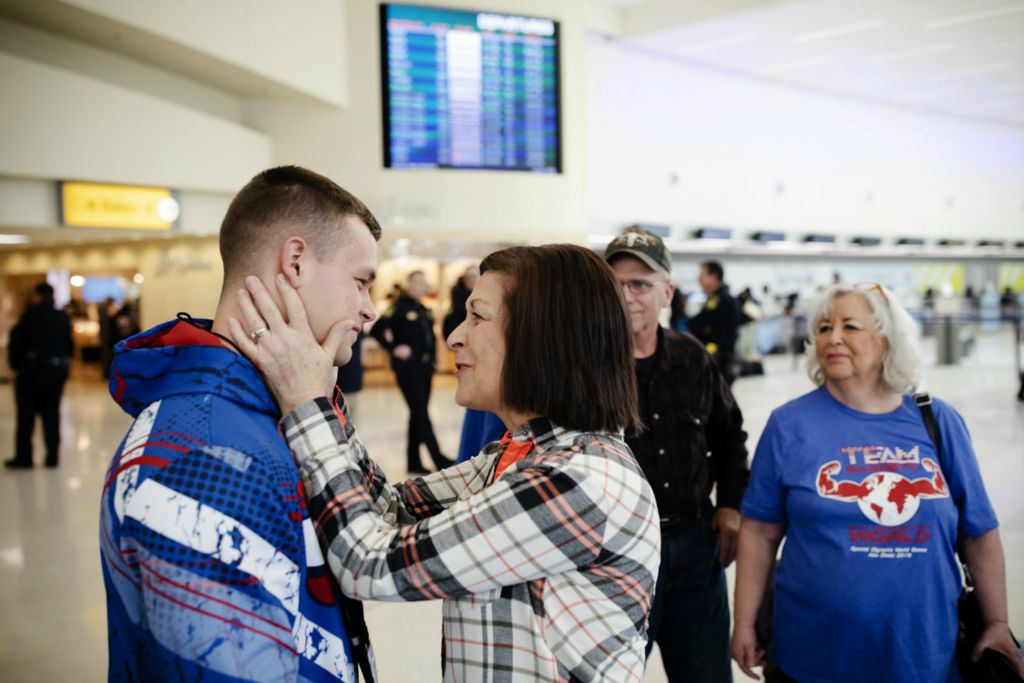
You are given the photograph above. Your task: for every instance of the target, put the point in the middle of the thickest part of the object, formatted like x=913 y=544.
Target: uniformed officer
x=717 y=324
x=40 y=354
x=406 y=331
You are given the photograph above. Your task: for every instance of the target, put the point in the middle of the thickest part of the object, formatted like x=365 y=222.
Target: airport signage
x=92 y=205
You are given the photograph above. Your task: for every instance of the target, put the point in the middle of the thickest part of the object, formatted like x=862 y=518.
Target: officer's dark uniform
x=40 y=354
x=410 y=323
x=717 y=325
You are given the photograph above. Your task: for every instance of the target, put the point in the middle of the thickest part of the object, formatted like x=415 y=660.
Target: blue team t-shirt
x=868 y=582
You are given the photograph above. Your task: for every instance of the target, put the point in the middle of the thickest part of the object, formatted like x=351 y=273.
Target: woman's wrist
x=288 y=405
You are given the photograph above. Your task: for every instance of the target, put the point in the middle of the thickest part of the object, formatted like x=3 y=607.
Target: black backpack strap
x=359 y=637
x=924 y=404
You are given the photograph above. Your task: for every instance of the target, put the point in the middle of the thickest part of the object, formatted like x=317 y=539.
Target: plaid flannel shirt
x=547 y=571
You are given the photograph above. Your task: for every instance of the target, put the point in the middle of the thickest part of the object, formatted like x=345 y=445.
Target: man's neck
x=227 y=308
x=645 y=343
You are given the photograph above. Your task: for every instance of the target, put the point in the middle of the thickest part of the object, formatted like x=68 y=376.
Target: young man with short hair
x=210 y=561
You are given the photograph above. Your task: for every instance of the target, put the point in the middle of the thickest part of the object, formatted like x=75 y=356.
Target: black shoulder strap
x=924 y=404
x=358 y=636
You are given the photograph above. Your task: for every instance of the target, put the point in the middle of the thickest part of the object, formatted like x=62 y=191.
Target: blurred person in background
x=677 y=319
x=717 y=324
x=872 y=513
x=105 y=312
x=459 y=294
x=406 y=332
x=125 y=322
x=691 y=441
x=545 y=547
x=39 y=354
x=479 y=428
x=350 y=376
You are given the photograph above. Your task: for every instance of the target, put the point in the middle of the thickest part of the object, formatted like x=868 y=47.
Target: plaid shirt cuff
x=314 y=431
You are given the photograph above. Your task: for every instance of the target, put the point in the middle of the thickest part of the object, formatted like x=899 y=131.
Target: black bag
x=991 y=667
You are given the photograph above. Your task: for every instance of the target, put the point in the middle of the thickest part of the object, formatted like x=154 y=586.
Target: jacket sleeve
x=69 y=348
x=418 y=498
x=16 y=347
x=499 y=536
x=378 y=331
x=727 y=441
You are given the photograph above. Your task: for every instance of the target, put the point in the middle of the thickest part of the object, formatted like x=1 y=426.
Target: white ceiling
x=957 y=57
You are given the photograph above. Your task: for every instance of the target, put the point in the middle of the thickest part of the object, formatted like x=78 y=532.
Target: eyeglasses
x=639 y=287
x=872 y=287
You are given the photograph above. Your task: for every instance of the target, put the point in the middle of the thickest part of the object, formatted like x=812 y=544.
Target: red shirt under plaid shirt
x=546 y=572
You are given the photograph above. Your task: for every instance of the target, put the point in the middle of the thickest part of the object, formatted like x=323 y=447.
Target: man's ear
x=294 y=257
x=670 y=289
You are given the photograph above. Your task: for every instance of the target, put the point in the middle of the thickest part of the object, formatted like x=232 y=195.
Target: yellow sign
x=1011 y=275
x=936 y=274
x=117 y=206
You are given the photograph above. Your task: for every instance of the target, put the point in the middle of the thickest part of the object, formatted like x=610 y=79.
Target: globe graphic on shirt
x=882 y=506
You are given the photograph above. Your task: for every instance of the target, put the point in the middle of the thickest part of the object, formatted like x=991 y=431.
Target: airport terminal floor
x=51 y=590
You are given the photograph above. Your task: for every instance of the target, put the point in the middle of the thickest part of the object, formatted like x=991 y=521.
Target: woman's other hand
x=745 y=650
x=281 y=345
x=997 y=637
x=987 y=563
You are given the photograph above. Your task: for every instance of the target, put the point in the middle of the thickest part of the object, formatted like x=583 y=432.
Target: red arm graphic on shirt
x=922 y=488
x=843 y=490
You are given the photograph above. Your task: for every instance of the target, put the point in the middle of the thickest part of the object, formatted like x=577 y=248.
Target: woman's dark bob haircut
x=569 y=347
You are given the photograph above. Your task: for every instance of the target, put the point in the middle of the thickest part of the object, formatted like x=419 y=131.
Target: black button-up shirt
x=693 y=434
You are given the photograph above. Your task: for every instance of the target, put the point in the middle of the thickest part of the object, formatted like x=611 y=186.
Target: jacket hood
x=179 y=358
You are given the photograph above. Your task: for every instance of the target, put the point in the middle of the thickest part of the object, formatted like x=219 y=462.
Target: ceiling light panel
x=971 y=17
x=797 y=65
x=914 y=53
x=967 y=71
x=836 y=31
x=714 y=44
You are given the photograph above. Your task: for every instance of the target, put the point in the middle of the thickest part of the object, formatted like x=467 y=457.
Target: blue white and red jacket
x=211 y=565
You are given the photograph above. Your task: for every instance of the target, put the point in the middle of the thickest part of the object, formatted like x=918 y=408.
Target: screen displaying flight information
x=473 y=90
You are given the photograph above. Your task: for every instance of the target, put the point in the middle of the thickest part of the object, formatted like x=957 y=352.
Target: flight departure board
x=471 y=90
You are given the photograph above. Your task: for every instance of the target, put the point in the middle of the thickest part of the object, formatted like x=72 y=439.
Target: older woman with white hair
x=867 y=586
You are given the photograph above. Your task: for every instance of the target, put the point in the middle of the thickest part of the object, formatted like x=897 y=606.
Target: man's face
x=646 y=292
x=338 y=289
x=708 y=282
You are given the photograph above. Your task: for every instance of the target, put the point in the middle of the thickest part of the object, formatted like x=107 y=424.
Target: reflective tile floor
x=52 y=614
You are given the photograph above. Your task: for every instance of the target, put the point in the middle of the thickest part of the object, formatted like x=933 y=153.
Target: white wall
x=75 y=55
x=60 y=124
x=152 y=93
x=293 y=43
x=844 y=166
x=347 y=145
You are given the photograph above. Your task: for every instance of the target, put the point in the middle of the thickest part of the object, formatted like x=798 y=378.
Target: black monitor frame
x=385 y=91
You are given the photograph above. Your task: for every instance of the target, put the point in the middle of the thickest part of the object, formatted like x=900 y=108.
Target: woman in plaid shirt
x=545 y=547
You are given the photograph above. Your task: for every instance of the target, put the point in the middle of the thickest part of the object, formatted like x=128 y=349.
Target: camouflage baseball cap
x=643 y=245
